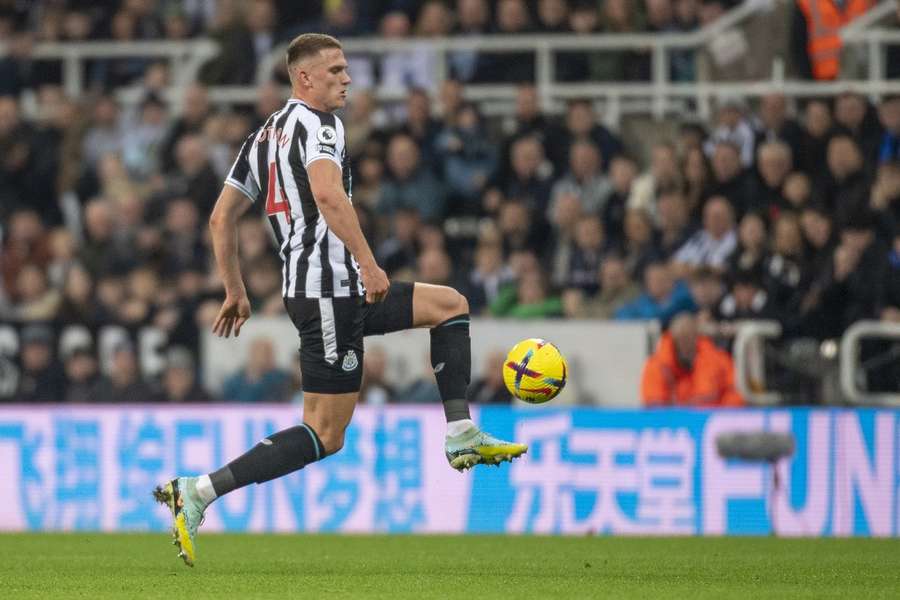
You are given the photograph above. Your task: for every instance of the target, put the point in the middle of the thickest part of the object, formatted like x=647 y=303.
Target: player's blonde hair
x=309 y=44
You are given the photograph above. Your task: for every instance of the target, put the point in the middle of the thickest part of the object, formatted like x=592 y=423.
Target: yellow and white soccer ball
x=535 y=371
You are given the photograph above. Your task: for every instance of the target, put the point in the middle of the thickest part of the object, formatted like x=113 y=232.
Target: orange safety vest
x=823 y=25
x=710 y=381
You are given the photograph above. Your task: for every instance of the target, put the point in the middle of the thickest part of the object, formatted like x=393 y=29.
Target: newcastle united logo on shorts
x=350 y=363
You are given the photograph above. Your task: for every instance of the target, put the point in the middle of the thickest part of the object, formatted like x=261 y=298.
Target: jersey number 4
x=273 y=205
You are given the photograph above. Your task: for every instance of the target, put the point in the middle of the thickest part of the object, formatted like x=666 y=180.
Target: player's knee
x=332 y=441
x=454 y=304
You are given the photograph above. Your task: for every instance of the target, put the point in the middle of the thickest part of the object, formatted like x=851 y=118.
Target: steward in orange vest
x=687 y=369
x=816 y=40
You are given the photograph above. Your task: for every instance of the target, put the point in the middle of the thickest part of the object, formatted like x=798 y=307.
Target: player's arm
x=235 y=311
x=328 y=190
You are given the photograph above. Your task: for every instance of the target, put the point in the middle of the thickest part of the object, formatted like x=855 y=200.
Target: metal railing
x=658 y=96
x=850 y=365
x=747 y=353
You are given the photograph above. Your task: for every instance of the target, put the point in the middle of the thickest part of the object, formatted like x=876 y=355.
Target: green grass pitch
x=132 y=566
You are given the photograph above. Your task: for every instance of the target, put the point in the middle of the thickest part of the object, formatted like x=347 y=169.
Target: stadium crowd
x=771 y=211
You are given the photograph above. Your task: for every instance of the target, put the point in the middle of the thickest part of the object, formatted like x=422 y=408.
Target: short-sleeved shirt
x=271 y=169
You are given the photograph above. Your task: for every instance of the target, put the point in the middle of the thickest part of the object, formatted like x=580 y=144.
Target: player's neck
x=308 y=101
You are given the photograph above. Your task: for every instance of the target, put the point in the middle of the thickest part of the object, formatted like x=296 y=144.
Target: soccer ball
x=535 y=371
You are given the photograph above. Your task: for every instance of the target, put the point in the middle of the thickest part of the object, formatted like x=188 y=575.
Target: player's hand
x=234 y=313
x=376 y=283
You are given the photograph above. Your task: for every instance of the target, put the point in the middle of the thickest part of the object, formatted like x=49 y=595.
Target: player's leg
x=331 y=361
x=446 y=313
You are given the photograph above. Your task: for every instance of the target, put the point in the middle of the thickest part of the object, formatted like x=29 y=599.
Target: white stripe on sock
x=454 y=428
x=205 y=489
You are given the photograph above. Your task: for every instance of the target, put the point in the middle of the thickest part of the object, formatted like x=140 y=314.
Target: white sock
x=205 y=489
x=454 y=428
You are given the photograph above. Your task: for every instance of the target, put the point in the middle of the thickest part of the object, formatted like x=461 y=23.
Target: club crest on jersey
x=350 y=362
x=327 y=135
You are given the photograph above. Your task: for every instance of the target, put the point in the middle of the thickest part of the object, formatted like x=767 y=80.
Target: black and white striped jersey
x=271 y=168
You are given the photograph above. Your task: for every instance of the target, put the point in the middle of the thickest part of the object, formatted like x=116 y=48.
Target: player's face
x=330 y=79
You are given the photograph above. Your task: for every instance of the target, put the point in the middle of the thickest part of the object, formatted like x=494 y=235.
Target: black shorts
x=332 y=330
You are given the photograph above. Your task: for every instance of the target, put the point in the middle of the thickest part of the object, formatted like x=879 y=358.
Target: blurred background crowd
x=773 y=209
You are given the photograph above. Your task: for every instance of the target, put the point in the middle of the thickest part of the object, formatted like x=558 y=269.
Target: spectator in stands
x=434 y=19
x=123 y=384
x=662 y=297
x=638 y=248
x=473 y=19
x=412 y=67
x=42 y=378
x=697 y=181
x=260 y=380
x=752 y=244
x=582 y=123
x=733 y=127
x=35 y=299
x=433 y=266
x=584 y=262
x=82 y=374
x=783 y=269
x=617 y=16
x=584 y=20
x=889 y=115
x=664 y=173
x=518 y=229
x=194 y=176
x=854 y=115
x=399 y=249
x=77 y=304
x=529 y=298
x=468 y=159
x=28 y=168
x=622 y=173
x=815 y=41
x=567 y=212
x=774 y=163
x=674 y=222
x=707 y=290
x=747 y=299
x=528 y=120
x=376 y=390
x=776 y=125
x=817 y=128
x=731 y=180
x=140 y=151
x=528 y=179
x=712 y=245
x=687 y=369
x=488 y=276
x=105 y=135
x=845 y=188
x=179 y=379
x=195 y=108
x=884 y=199
x=117 y=72
x=616 y=290
x=511 y=18
x=25 y=242
x=584 y=179
x=182 y=235
x=797 y=190
x=411 y=184
x=857 y=276
x=490 y=388
x=553 y=16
